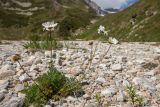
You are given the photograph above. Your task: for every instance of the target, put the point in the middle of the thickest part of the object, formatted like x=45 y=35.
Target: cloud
x=111 y=3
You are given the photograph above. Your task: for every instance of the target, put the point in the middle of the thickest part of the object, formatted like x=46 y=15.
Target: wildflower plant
x=50 y=27
x=54 y=85
x=136 y=100
x=104 y=34
x=16 y=58
x=109 y=39
x=98 y=98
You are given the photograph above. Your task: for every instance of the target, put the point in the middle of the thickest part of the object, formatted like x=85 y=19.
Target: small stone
x=121 y=97
x=102 y=66
x=85 y=82
x=34 y=67
x=72 y=99
x=140 y=61
x=116 y=67
x=47 y=106
x=47 y=53
x=30 y=60
x=158 y=86
x=125 y=83
x=89 y=105
x=19 y=87
x=145 y=83
x=6 y=71
x=6 y=74
x=127 y=105
x=86 y=96
x=2 y=96
x=100 y=80
x=137 y=80
x=132 y=71
x=13 y=102
x=109 y=92
x=151 y=73
x=21 y=95
x=4 y=84
x=157 y=50
x=149 y=86
x=33 y=75
x=20 y=72
x=37 y=61
x=24 y=78
x=7 y=67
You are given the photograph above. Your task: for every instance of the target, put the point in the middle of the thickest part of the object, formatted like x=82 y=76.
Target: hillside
x=139 y=22
x=20 y=19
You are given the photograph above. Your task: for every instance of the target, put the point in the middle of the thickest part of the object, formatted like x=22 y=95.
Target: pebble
x=19 y=87
x=117 y=67
x=109 y=92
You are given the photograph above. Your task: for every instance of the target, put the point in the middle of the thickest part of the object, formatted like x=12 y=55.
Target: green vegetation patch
x=52 y=85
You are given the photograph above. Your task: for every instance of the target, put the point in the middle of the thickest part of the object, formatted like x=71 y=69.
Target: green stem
x=101 y=58
x=31 y=79
x=50 y=38
x=93 y=55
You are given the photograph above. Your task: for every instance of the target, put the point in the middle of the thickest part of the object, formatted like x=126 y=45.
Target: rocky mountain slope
x=140 y=22
x=125 y=63
x=22 y=18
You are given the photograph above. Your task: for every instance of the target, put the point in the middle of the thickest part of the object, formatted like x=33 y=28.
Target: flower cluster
x=111 y=40
x=102 y=30
x=49 y=26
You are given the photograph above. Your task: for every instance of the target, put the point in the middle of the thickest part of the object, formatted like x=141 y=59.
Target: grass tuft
x=136 y=100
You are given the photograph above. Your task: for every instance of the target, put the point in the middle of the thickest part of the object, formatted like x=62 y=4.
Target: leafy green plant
x=54 y=86
x=42 y=43
x=98 y=98
x=135 y=99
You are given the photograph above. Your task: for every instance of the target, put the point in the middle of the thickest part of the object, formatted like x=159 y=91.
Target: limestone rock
x=117 y=67
x=109 y=92
x=19 y=87
x=24 y=78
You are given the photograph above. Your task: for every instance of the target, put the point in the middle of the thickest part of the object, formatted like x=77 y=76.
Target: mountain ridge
x=139 y=22
x=21 y=19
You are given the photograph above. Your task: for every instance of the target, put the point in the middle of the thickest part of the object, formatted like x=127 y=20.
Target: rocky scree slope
x=136 y=63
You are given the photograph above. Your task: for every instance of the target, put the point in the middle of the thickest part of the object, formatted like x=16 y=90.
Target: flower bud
x=15 y=57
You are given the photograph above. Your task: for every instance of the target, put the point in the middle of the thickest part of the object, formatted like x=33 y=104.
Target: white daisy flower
x=49 y=26
x=113 y=40
x=101 y=29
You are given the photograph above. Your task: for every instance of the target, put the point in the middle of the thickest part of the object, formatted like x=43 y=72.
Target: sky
x=112 y=3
